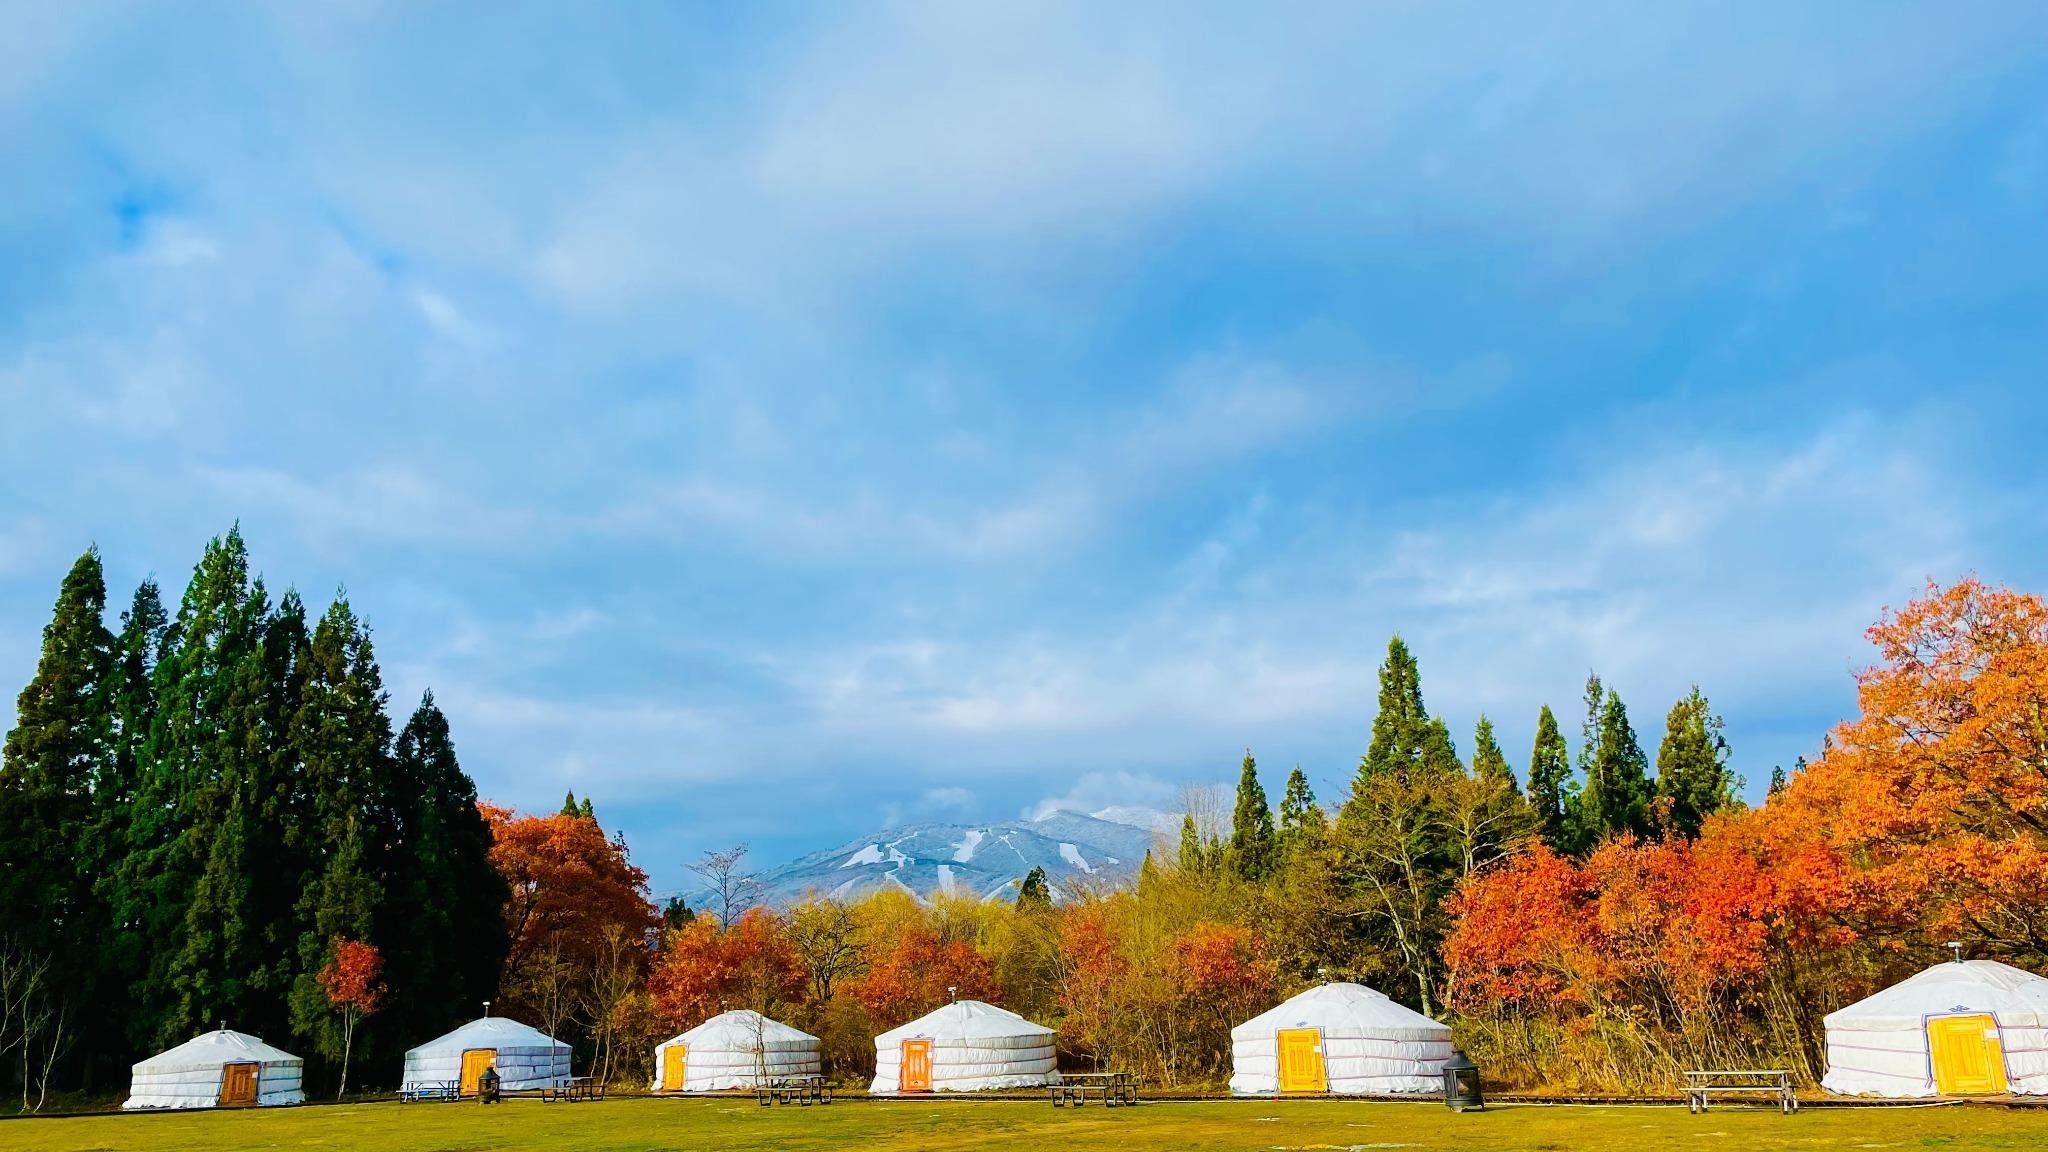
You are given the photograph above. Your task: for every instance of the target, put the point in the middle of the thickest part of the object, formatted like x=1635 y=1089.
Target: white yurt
x=1344 y=1039
x=967 y=1046
x=525 y=1057
x=733 y=1050
x=1964 y=1028
x=221 y=1069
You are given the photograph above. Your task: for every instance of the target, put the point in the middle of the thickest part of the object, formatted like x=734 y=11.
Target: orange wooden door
x=474 y=1062
x=917 y=1066
x=673 y=1064
x=1301 y=1060
x=1967 y=1054
x=238 y=1085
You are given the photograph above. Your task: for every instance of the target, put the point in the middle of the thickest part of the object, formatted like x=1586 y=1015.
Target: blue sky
x=775 y=421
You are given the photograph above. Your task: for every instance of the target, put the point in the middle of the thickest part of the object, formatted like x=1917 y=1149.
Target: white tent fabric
x=975 y=1047
x=1878 y=1045
x=527 y=1057
x=737 y=1050
x=1371 y=1045
x=189 y=1076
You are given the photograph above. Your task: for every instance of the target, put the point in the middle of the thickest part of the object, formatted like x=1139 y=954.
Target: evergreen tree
x=587 y=811
x=443 y=915
x=1401 y=728
x=1034 y=892
x=569 y=808
x=191 y=797
x=1302 y=824
x=1550 y=771
x=1252 y=845
x=1618 y=790
x=1777 y=779
x=343 y=740
x=1439 y=751
x=1488 y=761
x=676 y=914
x=55 y=763
x=1194 y=855
x=1693 y=781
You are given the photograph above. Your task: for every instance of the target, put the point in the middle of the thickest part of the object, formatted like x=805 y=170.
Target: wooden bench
x=1112 y=1088
x=1775 y=1083
x=430 y=1090
x=803 y=1090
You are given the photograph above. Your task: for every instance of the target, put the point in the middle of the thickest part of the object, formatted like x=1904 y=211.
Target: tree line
x=201 y=810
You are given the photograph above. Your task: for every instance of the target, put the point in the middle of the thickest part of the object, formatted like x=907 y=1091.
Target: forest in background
x=209 y=816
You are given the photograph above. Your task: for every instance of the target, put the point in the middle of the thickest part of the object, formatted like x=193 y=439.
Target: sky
x=778 y=422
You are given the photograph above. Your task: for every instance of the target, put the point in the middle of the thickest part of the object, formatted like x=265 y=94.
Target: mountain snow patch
x=964 y=850
x=1072 y=855
x=872 y=854
x=945 y=877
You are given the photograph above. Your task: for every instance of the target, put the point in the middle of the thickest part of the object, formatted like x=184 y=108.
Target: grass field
x=727 y=1125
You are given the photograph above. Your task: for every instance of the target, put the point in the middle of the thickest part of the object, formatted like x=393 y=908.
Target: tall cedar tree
x=1034 y=892
x=191 y=796
x=119 y=955
x=1489 y=763
x=1618 y=790
x=1194 y=856
x=444 y=912
x=343 y=739
x=1693 y=781
x=1550 y=773
x=1400 y=730
x=1302 y=824
x=58 y=756
x=1253 y=850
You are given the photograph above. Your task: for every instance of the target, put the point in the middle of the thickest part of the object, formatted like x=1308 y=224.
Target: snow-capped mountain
x=985 y=860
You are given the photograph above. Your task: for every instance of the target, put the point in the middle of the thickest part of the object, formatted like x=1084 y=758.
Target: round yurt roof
x=213 y=1050
x=1352 y=1007
x=964 y=1020
x=742 y=1029
x=491 y=1032
x=2019 y=997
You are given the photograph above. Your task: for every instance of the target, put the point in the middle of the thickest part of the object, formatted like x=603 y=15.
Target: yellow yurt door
x=1967 y=1056
x=474 y=1062
x=917 y=1066
x=1301 y=1060
x=238 y=1085
x=672 y=1066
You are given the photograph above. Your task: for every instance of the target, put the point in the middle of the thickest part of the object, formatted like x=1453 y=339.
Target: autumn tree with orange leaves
x=350 y=982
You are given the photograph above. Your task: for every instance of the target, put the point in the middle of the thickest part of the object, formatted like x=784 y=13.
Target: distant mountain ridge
x=988 y=861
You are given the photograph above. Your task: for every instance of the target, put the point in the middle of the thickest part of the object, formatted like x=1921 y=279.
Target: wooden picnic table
x=1113 y=1088
x=573 y=1089
x=1772 y=1082
x=805 y=1090
x=417 y=1090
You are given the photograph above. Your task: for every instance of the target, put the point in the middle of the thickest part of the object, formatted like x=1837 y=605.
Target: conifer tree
x=1194 y=855
x=192 y=798
x=1252 y=848
x=443 y=912
x=1488 y=761
x=343 y=739
x=1550 y=770
x=1693 y=781
x=1777 y=779
x=1439 y=752
x=1034 y=892
x=54 y=765
x=1401 y=728
x=1618 y=789
x=569 y=805
x=587 y=810
x=1302 y=824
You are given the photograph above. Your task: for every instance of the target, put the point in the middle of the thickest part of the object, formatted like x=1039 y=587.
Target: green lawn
x=729 y=1125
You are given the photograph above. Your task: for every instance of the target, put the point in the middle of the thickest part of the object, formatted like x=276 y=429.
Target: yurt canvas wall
x=219 y=1069
x=1973 y=1028
x=967 y=1046
x=1345 y=1039
x=733 y=1050
x=524 y=1057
